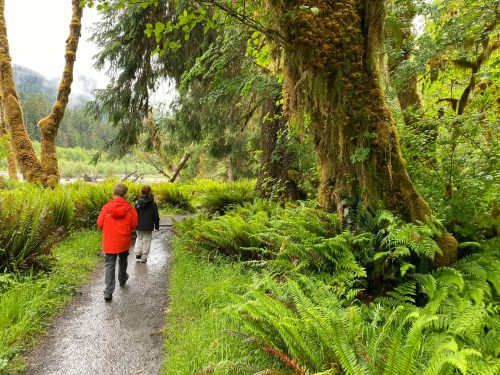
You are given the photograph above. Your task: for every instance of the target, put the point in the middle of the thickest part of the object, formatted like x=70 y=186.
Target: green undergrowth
x=201 y=337
x=363 y=298
x=28 y=302
x=34 y=219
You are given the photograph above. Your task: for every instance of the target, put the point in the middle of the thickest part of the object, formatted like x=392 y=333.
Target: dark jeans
x=109 y=276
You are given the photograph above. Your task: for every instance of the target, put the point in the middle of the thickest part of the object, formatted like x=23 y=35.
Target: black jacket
x=147 y=213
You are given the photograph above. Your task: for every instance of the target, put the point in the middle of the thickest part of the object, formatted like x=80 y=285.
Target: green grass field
x=76 y=161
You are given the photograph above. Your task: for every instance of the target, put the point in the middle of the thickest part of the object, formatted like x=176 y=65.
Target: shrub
x=311 y=327
x=88 y=200
x=171 y=194
x=219 y=197
x=32 y=222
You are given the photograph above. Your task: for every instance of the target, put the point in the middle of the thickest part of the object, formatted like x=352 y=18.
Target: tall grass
x=201 y=338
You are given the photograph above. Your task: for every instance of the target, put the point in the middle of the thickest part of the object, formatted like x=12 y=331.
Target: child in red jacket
x=117 y=219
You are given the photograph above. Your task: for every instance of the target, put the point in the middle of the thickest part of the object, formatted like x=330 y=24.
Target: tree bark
x=49 y=125
x=11 y=163
x=275 y=159
x=11 y=157
x=25 y=154
x=181 y=165
x=332 y=74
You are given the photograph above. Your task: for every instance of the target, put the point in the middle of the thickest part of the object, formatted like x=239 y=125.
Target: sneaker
x=138 y=257
x=144 y=260
x=122 y=283
x=108 y=297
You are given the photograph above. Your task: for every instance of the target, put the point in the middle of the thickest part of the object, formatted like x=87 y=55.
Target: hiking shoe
x=108 y=297
x=138 y=257
x=122 y=283
x=144 y=260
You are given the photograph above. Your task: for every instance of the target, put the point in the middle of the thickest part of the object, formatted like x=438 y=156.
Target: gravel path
x=118 y=338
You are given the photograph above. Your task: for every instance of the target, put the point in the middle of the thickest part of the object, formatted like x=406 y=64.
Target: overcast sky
x=37 y=32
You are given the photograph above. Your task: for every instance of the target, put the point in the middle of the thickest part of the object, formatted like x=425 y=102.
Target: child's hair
x=146 y=190
x=120 y=190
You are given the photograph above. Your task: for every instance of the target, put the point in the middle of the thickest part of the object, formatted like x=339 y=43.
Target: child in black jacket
x=148 y=219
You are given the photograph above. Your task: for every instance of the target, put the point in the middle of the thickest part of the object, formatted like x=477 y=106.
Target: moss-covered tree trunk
x=25 y=154
x=49 y=125
x=275 y=159
x=12 y=164
x=32 y=169
x=11 y=157
x=332 y=53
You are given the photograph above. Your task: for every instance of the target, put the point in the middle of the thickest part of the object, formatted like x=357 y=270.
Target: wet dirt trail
x=120 y=337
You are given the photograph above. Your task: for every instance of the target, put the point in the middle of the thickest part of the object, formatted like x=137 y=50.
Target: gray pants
x=109 y=276
x=143 y=243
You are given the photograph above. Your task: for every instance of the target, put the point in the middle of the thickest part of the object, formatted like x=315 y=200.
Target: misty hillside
x=37 y=94
x=30 y=82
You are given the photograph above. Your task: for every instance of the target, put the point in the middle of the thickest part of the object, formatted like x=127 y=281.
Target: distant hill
x=37 y=94
x=30 y=82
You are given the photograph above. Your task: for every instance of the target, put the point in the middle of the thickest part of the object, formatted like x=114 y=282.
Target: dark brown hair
x=146 y=190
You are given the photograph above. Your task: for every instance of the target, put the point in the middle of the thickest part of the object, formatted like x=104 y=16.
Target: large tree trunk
x=275 y=158
x=11 y=163
x=49 y=125
x=332 y=74
x=11 y=157
x=25 y=154
x=30 y=166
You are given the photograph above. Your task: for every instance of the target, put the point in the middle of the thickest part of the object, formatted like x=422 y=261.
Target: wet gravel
x=120 y=337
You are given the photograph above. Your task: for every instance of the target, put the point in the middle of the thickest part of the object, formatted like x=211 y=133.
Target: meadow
x=76 y=162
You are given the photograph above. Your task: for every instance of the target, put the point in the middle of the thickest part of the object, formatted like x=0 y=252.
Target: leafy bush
x=88 y=200
x=171 y=194
x=219 y=197
x=311 y=327
x=364 y=300
x=32 y=222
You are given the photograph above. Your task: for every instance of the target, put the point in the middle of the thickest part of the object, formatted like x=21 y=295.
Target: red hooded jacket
x=117 y=219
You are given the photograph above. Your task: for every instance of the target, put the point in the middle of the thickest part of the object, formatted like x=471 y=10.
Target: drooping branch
x=49 y=125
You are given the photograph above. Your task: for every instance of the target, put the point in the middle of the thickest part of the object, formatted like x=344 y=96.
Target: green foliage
x=219 y=197
x=170 y=194
x=321 y=329
x=452 y=143
x=200 y=336
x=32 y=222
x=306 y=307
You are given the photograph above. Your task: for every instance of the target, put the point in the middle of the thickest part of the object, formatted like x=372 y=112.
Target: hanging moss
x=332 y=76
